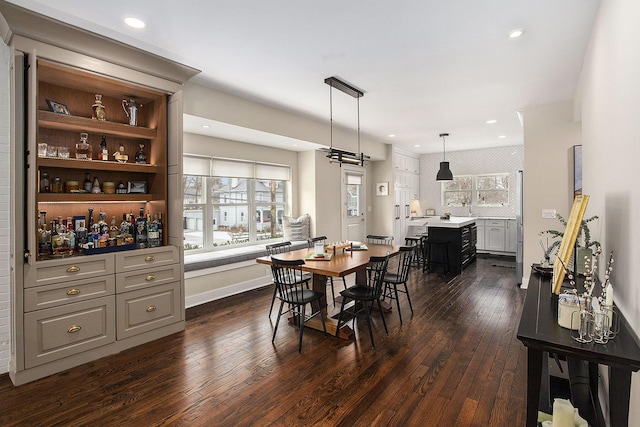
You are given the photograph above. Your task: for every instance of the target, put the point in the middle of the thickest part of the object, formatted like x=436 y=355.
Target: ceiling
x=425 y=66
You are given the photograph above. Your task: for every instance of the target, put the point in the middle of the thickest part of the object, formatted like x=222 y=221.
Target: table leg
x=619 y=395
x=320 y=285
x=534 y=376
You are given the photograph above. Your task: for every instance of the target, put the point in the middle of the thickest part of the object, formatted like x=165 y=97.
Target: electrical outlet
x=548 y=213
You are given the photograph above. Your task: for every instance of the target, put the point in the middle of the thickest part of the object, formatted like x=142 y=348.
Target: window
x=457 y=192
x=492 y=190
x=217 y=206
x=487 y=190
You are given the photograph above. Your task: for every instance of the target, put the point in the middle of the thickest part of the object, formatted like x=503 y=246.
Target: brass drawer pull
x=73 y=329
x=149 y=258
x=150 y=278
x=73 y=291
x=73 y=269
x=151 y=308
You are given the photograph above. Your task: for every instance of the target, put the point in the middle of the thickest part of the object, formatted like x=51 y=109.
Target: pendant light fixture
x=336 y=155
x=444 y=174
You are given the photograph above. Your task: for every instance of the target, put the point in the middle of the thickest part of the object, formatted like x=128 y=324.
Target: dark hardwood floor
x=456 y=362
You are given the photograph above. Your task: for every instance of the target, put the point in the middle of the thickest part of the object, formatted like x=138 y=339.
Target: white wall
x=611 y=151
x=5 y=211
x=470 y=162
x=550 y=132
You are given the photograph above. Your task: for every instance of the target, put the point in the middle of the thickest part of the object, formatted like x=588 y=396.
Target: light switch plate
x=548 y=213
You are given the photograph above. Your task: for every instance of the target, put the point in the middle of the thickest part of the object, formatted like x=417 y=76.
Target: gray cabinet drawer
x=147 y=309
x=494 y=222
x=40 y=297
x=51 y=271
x=60 y=332
x=146 y=278
x=145 y=258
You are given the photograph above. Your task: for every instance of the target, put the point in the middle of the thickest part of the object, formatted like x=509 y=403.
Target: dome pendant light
x=444 y=174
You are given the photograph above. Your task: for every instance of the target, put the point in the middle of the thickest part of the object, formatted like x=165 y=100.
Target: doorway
x=353 y=204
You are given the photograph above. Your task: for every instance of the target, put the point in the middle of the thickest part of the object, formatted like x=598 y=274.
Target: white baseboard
x=216 y=294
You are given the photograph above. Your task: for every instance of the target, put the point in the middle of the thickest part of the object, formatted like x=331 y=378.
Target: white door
x=353 y=204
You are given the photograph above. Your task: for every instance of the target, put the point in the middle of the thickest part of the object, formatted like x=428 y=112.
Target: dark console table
x=540 y=333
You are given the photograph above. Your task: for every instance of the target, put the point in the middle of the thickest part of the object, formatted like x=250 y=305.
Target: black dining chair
x=393 y=278
x=379 y=240
x=366 y=294
x=293 y=289
x=323 y=239
x=274 y=249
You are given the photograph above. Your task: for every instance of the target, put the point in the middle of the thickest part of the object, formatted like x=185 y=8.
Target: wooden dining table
x=342 y=263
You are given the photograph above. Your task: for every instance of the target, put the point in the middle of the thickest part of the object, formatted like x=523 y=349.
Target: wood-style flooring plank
x=454 y=362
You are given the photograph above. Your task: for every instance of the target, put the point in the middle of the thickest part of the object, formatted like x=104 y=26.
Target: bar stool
x=417 y=254
x=435 y=253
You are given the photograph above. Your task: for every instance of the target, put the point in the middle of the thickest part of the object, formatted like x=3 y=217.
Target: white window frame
x=473 y=193
x=261 y=172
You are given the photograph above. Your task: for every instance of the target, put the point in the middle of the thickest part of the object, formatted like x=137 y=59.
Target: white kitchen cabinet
x=480 y=245
x=494 y=235
x=406 y=184
x=510 y=236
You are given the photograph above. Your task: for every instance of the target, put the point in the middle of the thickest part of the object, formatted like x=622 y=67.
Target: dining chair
x=323 y=239
x=274 y=249
x=293 y=289
x=392 y=279
x=379 y=240
x=366 y=294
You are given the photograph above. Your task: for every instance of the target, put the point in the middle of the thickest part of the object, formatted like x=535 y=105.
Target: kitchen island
x=460 y=233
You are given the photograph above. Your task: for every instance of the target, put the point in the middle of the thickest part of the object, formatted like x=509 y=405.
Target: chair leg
x=395 y=289
x=275 y=329
x=368 y=316
x=340 y=315
x=273 y=298
x=324 y=325
x=301 y=321
x=406 y=290
x=384 y=322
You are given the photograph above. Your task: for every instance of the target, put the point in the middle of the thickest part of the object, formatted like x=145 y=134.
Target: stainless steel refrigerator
x=519 y=225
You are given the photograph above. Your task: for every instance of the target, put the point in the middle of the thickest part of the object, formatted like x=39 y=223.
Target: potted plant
x=584 y=244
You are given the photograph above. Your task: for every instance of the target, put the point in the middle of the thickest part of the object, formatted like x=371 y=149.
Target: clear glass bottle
x=152 y=232
x=44 y=183
x=81 y=237
x=114 y=230
x=98 y=109
x=56 y=239
x=44 y=237
x=102 y=223
x=95 y=188
x=70 y=237
x=87 y=183
x=83 y=148
x=160 y=230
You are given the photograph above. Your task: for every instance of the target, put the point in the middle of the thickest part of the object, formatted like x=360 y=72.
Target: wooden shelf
x=49 y=120
x=90 y=197
x=95 y=165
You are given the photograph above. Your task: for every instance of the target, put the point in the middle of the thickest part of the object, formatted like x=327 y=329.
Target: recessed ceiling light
x=489 y=122
x=514 y=34
x=206 y=126
x=134 y=22
x=502 y=136
x=416 y=146
x=391 y=135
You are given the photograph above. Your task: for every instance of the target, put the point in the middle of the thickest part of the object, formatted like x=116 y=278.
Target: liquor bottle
x=70 y=236
x=140 y=157
x=44 y=237
x=125 y=225
x=102 y=223
x=93 y=229
x=103 y=154
x=81 y=237
x=160 y=230
x=87 y=183
x=141 y=230
x=114 y=230
x=98 y=109
x=44 y=182
x=152 y=232
x=83 y=148
x=56 y=239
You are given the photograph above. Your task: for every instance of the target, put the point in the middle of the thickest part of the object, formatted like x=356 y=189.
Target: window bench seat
x=220 y=258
